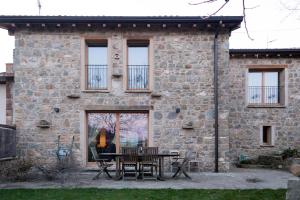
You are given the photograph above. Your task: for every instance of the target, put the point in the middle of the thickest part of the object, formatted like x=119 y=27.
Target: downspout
x=216 y=101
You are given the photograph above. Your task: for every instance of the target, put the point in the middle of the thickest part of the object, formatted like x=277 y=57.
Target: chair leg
x=186 y=174
x=143 y=178
x=176 y=172
x=97 y=176
x=156 y=174
x=107 y=173
x=151 y=170
x=136 y=172
x=123 y=172
x=180 y=172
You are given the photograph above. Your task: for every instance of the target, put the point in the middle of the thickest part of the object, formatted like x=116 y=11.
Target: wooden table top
x=120 y=154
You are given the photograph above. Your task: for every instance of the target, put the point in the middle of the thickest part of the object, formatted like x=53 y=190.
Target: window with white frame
x=265 y=87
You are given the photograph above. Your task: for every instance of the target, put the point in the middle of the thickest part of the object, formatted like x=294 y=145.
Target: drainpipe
x=216 y=101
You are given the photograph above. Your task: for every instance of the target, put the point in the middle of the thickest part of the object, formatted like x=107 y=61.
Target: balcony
x=265 y=95
x=137 y=77
x=96 y=77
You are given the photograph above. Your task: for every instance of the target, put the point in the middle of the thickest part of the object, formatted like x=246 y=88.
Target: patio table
x=161 y=157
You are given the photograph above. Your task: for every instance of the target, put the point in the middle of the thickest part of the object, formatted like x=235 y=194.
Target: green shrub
x=290 y=153
x=248 y=161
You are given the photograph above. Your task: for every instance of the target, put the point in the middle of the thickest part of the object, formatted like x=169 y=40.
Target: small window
x=267 y=136
x=266 y=87
x=96 y=65
x=138 y=65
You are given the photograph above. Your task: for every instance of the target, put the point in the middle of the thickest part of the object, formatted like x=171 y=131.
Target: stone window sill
x=266 y=145
x=138 y=91
x=96 y=91
x=266 y=106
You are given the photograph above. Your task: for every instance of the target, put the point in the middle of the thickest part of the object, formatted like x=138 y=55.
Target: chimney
x=9 y=68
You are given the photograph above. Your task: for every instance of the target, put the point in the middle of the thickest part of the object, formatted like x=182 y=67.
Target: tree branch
x=222 y=6
x=252 y=7
x=245 y=22
x=289 y=8
x=226 y=1
x=202 y=2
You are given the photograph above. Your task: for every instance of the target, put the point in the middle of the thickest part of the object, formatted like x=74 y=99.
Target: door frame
x=84 y=129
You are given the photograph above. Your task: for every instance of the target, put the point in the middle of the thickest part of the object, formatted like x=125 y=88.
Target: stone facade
x=48 y=68
x=2 y=103
x=245 y=122
x=6 y=89
x=49 y=71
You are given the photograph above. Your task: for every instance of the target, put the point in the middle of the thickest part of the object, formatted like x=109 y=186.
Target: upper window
x=264 y=87
x=96 y=66
x=138 y=65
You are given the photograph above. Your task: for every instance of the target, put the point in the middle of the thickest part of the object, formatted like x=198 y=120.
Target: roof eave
x=8 y=22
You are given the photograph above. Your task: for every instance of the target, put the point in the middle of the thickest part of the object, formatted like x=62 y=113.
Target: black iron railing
x=138 y=77
x=264 y=94
x=96 y=77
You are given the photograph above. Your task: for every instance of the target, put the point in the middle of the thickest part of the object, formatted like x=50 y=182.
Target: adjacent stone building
x=6 y=85
x=147 y=81
x=264 y=99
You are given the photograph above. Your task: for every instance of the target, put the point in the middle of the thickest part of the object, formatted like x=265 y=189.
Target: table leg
x=161 y=169
x=118 y=168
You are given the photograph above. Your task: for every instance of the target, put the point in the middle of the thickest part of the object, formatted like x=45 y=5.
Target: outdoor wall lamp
x=56 y=110
x=177 y=110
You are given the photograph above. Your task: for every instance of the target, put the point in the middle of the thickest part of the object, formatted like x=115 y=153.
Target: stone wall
x=9 y=93
x=47 y=68
x=293 y=189
x=245 y=122
x=2 y=103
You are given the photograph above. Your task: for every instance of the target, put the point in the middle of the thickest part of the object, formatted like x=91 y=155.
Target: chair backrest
x=151 y=150
x=175 y=152
x=131 y=154
x=190 y=155
x=94 y=153
x=150 y=154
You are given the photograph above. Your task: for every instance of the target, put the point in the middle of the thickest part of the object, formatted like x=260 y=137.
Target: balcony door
x=109 y=131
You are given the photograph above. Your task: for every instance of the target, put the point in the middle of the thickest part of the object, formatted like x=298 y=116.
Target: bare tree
x=295 y=7
x=244 y=8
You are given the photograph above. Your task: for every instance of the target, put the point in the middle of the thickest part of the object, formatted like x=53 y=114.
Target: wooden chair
x=129 y=161
x=150 y=160
x=101 y=163
x=173 y=160
x=194 y=162
x=183 y=162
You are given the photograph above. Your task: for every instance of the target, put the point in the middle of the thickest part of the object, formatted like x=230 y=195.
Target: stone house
x=150 y=81
x=6 y=84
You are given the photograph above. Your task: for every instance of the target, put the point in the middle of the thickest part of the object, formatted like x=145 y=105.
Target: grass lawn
x=131 y=194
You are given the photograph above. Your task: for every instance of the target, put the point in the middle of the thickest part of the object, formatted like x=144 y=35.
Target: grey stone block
x=293 y=192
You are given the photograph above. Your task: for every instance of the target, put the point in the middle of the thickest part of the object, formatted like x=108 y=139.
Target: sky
x=270 y=23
